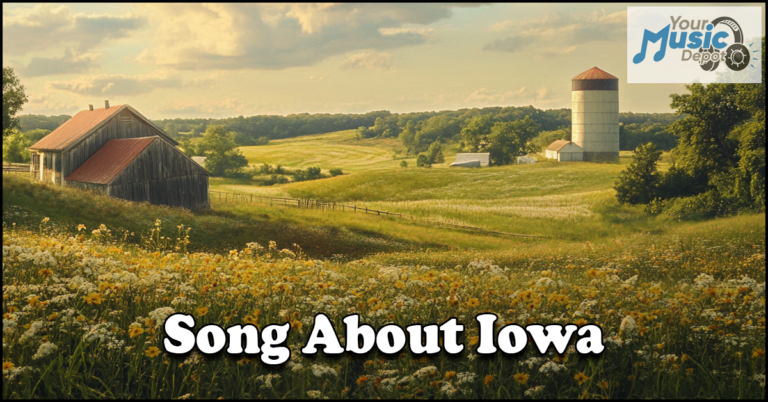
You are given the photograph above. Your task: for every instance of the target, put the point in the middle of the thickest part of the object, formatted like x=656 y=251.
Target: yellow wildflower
x=521 y=378
x=152 y=351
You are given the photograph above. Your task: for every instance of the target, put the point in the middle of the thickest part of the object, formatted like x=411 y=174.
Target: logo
x=683 y=45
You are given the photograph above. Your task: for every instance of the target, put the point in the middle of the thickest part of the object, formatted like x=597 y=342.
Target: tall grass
x=683 y=316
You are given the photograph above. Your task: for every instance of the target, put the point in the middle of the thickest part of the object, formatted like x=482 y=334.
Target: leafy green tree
x=311 y=173
x=403 y=164
x=198 y=129
x=188 y=147
x=475 y=133
x=435 y=153
x=434 y=129
x=335 y=172
x=364 y=132
x=548 y=137
x=36 y=134
x=721 y=146
x=639 y=182
x=509 y=140
x=13 y=99
x=408 y=136
x=172 y=129
x=223 y=156
x=422 y=161
x=15 y=146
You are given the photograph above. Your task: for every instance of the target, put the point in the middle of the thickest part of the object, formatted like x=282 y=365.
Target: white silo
x=595 y=114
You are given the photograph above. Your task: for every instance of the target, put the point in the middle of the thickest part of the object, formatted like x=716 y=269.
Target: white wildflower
x=45 y=349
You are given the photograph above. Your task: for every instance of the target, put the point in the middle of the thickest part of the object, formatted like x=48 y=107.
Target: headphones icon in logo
x=737 y=55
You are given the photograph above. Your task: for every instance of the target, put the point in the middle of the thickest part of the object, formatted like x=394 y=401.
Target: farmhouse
x=472 y=160
x=564 y=151
x=118 y=152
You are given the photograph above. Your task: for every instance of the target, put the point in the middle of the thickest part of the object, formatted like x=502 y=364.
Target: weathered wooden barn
x=144 y=169
x=151 y=164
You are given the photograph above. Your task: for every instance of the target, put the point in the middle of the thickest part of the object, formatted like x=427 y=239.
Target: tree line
x=719 y=160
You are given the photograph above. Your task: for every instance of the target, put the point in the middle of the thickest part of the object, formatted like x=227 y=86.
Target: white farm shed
x=472 y=160
x=564 y=151
x=525 y=160
x=200 y=160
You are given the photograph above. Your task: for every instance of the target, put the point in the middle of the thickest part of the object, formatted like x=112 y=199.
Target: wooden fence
x=334 y=206
x=15 y=168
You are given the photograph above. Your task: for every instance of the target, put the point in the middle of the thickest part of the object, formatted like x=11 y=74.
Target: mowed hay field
x=572 y=201
x=330 y=151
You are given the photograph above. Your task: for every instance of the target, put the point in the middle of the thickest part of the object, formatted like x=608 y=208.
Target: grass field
x=681 y=303
x=571 y=201
x=330 y=151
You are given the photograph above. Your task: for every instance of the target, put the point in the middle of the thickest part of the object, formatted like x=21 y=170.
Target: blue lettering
x=674 y=44
x=695 y=39
x=649 y=36
x=716 y=40
x=707 y=39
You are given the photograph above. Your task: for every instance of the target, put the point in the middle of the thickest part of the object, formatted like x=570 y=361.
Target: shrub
x=422 y=161
x=639 y=182
x=335 y=172
x=403 y=164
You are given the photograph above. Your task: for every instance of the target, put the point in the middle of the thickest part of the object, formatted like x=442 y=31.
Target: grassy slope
x=570 y=203
x=566 y=200
x=232 y=224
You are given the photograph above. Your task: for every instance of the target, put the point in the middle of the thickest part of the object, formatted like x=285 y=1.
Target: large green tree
x=13 y=99
x=223 y=156
x=509 y=140
x=475 y=134
x=639 y=182
x=408 y=136
x=15 y=146
x=721 y=146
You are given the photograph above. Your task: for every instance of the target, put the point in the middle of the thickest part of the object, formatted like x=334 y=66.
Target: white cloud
x=216 y=108
x=565 y=31
x=372 y=60
x=397 y=31
x=46 y=26
x=49 y=105
x=485 y=96
x=278 y=36
x=122 y=85
x=70 y=62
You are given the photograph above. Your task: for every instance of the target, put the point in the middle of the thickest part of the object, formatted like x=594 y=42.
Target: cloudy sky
x=222 y=60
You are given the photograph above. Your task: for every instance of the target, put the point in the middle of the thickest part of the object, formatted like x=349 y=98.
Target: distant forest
x=444 y=126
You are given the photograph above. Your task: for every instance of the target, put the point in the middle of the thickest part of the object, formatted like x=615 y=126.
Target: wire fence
x=335 y=206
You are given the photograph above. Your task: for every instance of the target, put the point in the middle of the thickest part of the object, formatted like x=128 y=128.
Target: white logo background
x=671 y=69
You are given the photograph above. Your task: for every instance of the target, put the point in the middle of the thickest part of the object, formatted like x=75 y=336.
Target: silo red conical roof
x=594 y=73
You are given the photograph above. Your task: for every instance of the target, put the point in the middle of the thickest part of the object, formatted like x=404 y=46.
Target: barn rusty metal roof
x=110 y=160
x=557 y=145
x=76 y=127
x=82 y=124
x=594 y=73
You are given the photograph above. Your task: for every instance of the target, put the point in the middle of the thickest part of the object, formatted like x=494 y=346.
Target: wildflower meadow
x=83 y=315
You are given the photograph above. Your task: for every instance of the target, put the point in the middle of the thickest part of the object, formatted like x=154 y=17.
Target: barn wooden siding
x=189 y=192
x=123 y=125
x=160 y=174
